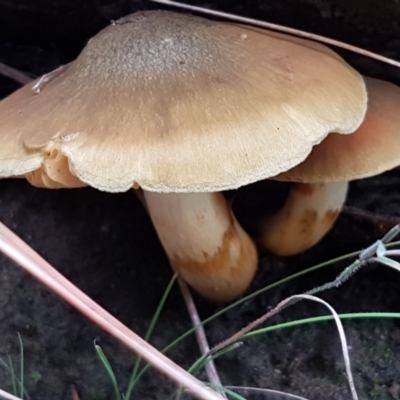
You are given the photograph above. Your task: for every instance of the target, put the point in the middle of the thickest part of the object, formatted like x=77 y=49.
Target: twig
x=283 y=304
x=280 y=28
x=46 y=78
x=377 y=252
x=211 y=370
x=16 y=249
x=74 y=393
x=14 y=74
x=344 y=276
x=275 y=394
x=383 y=221
x=8 y=396
x=365 y=257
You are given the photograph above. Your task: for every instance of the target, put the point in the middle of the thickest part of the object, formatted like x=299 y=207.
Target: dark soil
x=105 y=243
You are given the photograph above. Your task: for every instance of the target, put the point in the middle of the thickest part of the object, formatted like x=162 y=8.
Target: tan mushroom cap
x=177 y=103
x=371 y=150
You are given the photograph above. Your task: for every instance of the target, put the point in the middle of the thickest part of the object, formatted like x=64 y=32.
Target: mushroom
x=184 y=108
x=314 y=203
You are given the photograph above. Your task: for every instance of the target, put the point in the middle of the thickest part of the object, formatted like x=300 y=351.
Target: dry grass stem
x=8 y=396
x=268 y=393
x=280 y=28
x=201 y=336
x=14 y=74
x=46 y=78
x=74 y=393
x=16 y=249
x=279 y=308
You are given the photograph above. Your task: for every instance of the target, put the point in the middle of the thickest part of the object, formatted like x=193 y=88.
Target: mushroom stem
x=308 y=214
x=204 y=243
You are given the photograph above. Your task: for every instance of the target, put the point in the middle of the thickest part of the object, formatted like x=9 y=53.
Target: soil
x=106 y=245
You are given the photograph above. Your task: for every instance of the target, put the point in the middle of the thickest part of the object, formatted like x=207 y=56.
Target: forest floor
x=105 y=244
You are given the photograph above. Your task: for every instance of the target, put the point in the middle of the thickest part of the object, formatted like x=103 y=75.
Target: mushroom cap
x=371 y=150
x=177 y=103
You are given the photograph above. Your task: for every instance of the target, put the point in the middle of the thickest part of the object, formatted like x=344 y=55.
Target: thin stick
x=8 y=396
x=280 y=28
x=14 y=74
x=16 y=249
x=276 y=394
x=201 y=336
x=46 y=78
x=74 y=393
x=343 y=340
x=283 y=304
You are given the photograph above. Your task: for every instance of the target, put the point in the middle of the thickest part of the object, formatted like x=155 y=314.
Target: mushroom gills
x=308 y=214
x=55 y=171
x=205 y=244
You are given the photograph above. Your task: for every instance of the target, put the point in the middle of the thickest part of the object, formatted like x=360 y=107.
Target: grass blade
x=21 y=366
x=16 y=249
x=13 y=379
x=280 y=28
x=108 y=368
x=133 y=380
x=257 y=293
x=282 y=305
x=8 y=396
x=343 y=340
x=202 y=361
x=323 y=318
x=272 y=394
x=231 y=393
x=211 y=369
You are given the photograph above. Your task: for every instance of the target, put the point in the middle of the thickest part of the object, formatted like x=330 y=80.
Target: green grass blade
x=133 y=380
x=13 y=379
x=160 y=308
x=322 y=318
x=276 y=394
x=109 y=370
x=258 y=292
x=249 y=297
x=228 y=392
x=21 y=356
x=202 y=361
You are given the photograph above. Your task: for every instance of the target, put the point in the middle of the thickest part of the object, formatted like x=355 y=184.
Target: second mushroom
x=316 y=199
